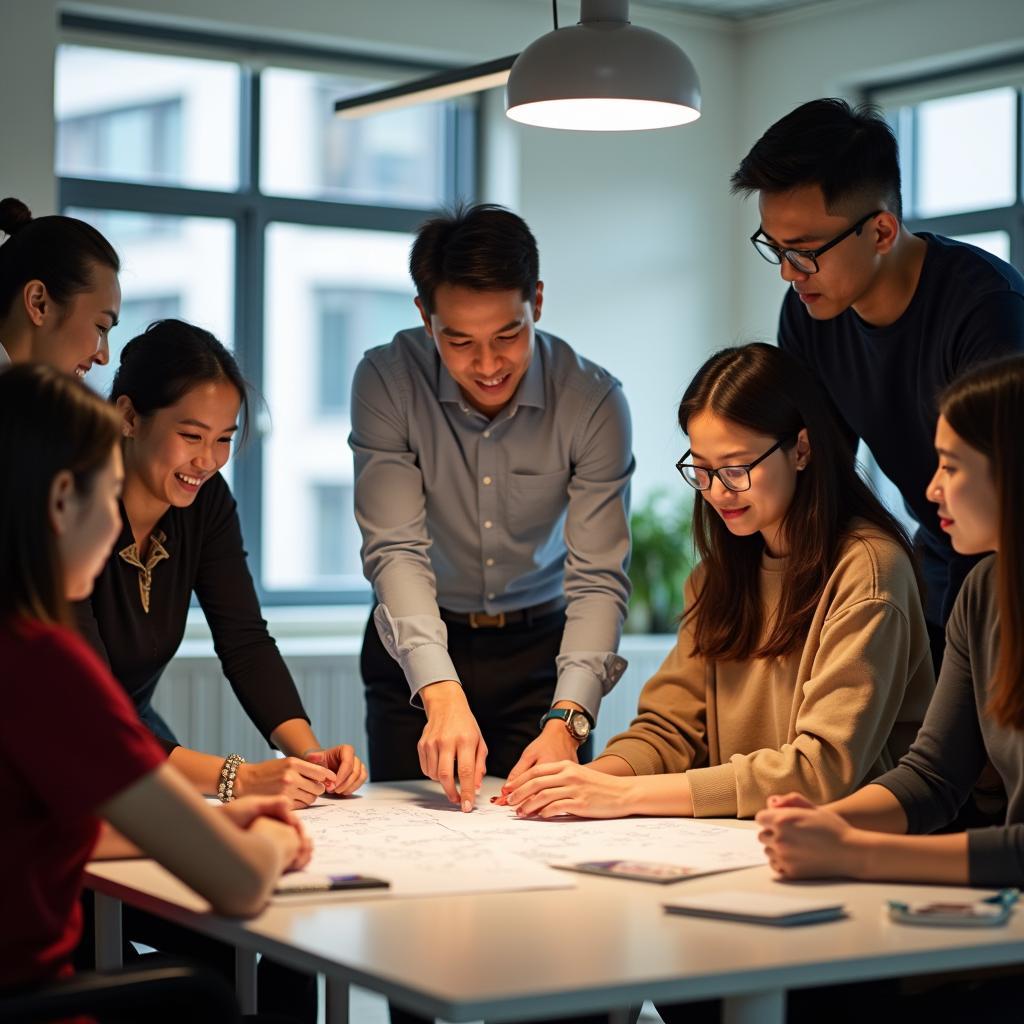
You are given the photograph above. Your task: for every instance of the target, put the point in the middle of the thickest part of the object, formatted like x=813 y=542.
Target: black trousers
x=509 y=678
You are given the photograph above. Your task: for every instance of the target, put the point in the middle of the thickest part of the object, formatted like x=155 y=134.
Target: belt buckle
x=481 y=620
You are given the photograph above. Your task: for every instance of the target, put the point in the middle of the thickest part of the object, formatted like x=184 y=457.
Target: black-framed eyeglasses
x=734 y=478
x=805 y=260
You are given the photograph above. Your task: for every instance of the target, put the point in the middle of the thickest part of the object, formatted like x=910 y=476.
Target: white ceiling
x=734 y=9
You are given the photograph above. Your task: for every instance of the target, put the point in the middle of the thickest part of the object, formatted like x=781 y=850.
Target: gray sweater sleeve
x=935 y=777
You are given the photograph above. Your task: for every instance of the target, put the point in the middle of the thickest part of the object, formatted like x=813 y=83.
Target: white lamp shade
x=603 y=76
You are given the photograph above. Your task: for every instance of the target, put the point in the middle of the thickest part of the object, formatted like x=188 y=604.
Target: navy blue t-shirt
x=884 y=381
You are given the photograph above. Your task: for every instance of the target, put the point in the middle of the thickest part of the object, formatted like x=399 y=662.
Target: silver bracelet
x=228 y=771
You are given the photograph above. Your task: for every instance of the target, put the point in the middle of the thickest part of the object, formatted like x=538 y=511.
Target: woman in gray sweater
x=977 y=713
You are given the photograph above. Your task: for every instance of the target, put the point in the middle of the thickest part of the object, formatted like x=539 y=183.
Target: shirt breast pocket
x=536 y=501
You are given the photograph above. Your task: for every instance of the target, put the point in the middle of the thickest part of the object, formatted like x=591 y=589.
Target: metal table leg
x=109 y=948
x=245 y=979
x=337 y=1002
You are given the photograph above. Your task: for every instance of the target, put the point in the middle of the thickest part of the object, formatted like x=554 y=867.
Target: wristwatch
x=577 y=722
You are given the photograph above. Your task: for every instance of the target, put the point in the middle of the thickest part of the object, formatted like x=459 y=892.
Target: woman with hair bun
x=59 y=293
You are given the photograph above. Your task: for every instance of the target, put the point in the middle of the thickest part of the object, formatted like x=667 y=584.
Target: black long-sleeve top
x=204 y=555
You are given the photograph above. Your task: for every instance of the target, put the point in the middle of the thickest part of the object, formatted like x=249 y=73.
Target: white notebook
x=757 y=907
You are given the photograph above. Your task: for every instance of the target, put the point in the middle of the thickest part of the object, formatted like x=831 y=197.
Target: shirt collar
x=5 y=359
x=529 y=392
x=157 y=553
x=447 y=389
x=531 y=387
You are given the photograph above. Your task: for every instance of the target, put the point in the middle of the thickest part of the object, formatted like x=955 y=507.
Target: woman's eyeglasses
x=734 y=478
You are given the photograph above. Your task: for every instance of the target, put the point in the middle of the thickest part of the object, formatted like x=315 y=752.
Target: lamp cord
x=554 y=13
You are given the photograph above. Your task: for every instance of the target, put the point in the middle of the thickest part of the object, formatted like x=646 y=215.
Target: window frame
x=251 y=211
x=907 y=94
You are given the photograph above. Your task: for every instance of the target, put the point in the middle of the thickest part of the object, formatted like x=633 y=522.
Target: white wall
x=27 y=48
x=635 y=234
x=835 y=50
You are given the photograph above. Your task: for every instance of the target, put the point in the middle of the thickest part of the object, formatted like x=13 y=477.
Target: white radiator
x=199 y=705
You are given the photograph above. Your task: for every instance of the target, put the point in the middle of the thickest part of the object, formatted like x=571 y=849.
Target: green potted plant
x=662 y=558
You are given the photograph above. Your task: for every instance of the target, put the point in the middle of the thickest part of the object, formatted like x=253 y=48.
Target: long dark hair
x=169 y=359
x=49 y=422
x=986 y=408
x=59 y=251
x=761 y=388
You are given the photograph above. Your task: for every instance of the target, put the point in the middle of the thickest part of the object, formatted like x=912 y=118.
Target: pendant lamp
x=603 y=74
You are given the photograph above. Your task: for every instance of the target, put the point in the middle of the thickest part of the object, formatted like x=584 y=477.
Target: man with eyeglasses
x=883 y=317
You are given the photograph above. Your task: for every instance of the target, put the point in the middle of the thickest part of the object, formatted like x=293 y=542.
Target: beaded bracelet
x=228 y=771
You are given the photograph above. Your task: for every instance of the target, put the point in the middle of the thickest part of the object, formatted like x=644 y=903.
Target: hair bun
x=14 y=215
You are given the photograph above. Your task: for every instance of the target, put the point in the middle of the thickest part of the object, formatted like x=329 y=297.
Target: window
x=306 y=151
x=170 y=267
x=350 y=320
x=961 y=155
x=145 y=117
x=335 y=554
x=237 y=201
x=331 y=293
x=141 y=142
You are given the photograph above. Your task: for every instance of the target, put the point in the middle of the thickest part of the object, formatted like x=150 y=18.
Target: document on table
x=426 y=849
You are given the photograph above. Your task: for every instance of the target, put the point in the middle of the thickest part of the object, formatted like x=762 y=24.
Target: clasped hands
x=272 y=815
x=803 y=840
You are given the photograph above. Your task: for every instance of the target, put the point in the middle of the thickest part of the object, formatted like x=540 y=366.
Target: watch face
x=580 y=726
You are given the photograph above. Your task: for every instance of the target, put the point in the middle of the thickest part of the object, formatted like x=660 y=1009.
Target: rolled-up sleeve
x=597 y=541
x=390 y=507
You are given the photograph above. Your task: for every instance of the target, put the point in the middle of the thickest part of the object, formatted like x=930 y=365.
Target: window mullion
x=248 y=301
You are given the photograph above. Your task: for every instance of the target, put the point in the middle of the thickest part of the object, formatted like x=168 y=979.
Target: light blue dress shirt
x=478 y=515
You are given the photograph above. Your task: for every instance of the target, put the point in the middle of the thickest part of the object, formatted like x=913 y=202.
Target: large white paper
x=683 y=841
x=426 y=847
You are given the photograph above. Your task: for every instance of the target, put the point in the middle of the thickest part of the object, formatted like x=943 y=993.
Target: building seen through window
x=299 y=270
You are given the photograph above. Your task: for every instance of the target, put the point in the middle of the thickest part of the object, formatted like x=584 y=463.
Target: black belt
x=482 y=620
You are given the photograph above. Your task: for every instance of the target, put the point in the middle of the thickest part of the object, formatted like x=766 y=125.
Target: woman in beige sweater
x=802 y=662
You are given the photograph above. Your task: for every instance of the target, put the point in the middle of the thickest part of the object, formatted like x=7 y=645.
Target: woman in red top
x=60 y=477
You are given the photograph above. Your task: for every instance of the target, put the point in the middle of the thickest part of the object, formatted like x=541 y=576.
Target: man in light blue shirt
x=492 y=468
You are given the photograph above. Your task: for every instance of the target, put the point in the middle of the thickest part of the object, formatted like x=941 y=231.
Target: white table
x=518 y=956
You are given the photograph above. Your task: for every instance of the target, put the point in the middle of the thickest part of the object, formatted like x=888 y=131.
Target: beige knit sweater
x=822 y=721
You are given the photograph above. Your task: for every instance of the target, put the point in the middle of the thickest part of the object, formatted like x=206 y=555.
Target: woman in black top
x=180 y=392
